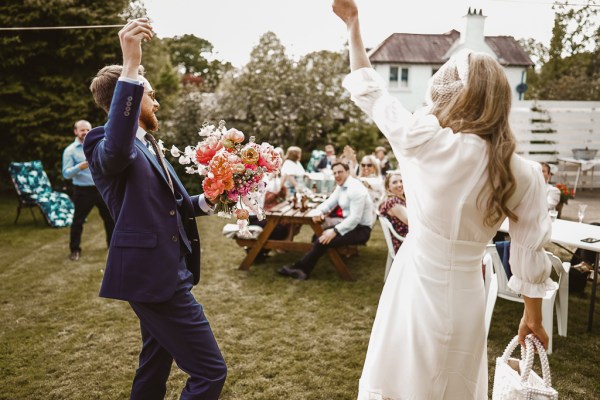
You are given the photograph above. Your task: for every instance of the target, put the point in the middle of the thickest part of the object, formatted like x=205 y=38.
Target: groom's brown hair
x=104 y=83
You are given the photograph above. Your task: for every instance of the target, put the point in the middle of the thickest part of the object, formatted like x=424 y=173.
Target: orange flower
x=249 y=155
x=242 y=214
x=213 y=188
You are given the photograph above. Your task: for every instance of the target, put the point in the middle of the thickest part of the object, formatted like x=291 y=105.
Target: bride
x=462 y=179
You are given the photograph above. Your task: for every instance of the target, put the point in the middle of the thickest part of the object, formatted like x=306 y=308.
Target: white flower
x=183 y=160
x=175 y=152
x=206 y=130
x=161 y=146
x=189 y=152
x=190 y=170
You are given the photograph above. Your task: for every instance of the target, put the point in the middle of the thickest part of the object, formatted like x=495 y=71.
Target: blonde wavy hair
x=482 y=106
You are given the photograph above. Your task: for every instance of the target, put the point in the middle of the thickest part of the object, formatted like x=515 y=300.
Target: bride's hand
x=345 y=9
x=527 y=327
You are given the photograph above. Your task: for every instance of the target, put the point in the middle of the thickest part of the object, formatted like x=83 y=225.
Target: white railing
x=547 y=130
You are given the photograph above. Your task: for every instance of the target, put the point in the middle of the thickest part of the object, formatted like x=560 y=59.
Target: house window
x=398 y=77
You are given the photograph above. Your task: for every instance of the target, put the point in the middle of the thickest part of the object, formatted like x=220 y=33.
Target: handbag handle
x=531 y=343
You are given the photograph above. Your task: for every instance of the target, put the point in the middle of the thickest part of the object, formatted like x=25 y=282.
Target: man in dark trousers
x=85 y=194
x=154 y=257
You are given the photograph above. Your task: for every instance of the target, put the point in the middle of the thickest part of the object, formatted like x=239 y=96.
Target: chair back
x=388 y=233
x=29 y=179
x=503 y=290
x=562 y=297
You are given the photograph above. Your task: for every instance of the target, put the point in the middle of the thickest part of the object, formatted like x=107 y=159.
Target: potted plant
x=566 y=194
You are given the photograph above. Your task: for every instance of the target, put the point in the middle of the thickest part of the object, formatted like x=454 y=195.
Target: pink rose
x=213 y=188
x=207 y=149
x=234 y=135
x=269 y=158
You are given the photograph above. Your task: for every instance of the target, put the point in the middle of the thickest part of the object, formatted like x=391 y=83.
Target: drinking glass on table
x=581 y=212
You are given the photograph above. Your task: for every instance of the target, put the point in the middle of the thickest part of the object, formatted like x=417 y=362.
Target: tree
x=572 y=69
x=45 y=75
x=289 y=103
x=192 y=54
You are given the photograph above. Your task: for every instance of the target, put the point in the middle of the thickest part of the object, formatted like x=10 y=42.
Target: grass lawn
x=282 y=339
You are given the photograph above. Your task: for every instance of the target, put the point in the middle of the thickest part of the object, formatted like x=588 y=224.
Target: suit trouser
x=177 y=330
x=358 y=235
x=85 y=198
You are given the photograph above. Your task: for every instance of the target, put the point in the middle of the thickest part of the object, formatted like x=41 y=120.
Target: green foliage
x=286 y=102
x=571 y=66
x=192 y=54
x=45 y=75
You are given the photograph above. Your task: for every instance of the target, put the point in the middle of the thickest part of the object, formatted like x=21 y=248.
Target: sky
x=235 y=26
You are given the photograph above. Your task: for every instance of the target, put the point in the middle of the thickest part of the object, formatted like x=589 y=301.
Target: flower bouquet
x=233 y=172
x=566 y=194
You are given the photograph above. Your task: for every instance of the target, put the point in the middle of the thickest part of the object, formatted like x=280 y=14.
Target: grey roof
x=408 y=48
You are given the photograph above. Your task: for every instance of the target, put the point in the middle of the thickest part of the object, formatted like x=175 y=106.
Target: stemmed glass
x=581 y=212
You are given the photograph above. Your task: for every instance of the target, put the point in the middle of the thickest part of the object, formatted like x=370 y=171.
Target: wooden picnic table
x=286 y=213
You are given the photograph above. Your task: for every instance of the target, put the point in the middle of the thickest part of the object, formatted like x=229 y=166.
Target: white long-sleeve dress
x=428 y=339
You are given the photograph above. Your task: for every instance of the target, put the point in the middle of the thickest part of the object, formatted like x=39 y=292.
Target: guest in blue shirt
x=351 y=202
x=85 y=194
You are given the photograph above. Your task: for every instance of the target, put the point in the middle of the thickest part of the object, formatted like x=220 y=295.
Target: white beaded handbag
x=514 y=378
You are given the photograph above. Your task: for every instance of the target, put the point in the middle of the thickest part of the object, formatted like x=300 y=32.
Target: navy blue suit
x=154 y=254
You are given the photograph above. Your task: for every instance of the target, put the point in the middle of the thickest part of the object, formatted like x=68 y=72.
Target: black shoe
x=289 y=270
x=75 y=255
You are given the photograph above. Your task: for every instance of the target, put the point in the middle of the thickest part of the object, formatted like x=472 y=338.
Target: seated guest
x=384 y=163
x=393 y=207
x=328 y=159
x=292 y=170
x=552 y=192
x=355 y=227
x=370 y=175
x=349 y=157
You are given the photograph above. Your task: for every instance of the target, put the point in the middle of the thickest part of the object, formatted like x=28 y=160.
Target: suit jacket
x=145 y=250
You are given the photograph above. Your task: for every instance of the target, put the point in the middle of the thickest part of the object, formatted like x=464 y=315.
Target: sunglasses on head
x=366 y=165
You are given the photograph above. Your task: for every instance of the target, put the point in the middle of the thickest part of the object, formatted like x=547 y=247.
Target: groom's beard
x=149 y=120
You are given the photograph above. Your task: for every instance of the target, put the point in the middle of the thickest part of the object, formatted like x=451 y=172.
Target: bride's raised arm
x=348 y=12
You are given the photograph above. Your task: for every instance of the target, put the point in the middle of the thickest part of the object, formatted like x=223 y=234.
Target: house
x=407 y=61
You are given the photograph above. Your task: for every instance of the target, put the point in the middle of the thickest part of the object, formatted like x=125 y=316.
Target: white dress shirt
x=355 y=202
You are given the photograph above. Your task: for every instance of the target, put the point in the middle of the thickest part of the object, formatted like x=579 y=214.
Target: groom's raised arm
x=111 y=149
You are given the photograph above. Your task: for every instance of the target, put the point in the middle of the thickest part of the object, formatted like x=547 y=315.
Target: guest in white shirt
x=552 y=192
x=292 y=170
x=357 y=213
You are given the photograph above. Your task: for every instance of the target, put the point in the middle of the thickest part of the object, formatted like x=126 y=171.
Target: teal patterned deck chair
x=33 y=189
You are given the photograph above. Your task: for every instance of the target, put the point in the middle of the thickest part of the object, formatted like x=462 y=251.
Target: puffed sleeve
x=403 y=129
x=529 y=262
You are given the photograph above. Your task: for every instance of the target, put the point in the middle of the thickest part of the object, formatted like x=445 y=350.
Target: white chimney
x=472 y=35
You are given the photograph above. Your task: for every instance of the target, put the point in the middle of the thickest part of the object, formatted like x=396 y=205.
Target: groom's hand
x=131 y=37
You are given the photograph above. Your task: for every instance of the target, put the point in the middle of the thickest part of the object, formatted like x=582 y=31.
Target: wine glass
x=581 y=212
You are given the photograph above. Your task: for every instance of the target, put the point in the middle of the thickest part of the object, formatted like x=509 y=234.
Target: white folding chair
x=506 y=293
x=491 y=290
x=562 y=298
x=388 y=232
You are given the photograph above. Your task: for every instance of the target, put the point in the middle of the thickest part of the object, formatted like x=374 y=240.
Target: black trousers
x=358 y=235
x=85 y=198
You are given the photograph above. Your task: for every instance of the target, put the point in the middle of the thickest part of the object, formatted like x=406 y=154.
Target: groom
x=154 y=256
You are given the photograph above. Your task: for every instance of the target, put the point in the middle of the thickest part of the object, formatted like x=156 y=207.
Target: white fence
x=547 y=130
